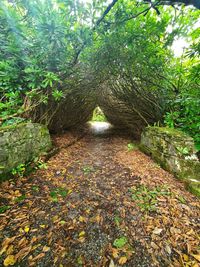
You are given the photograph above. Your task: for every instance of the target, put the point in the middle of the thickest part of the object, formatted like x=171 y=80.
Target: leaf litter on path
x=98 y=204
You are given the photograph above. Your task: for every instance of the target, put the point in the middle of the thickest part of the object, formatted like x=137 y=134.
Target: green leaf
x=120 y=242
x=4 y=208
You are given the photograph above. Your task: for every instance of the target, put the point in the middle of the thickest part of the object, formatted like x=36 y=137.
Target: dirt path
x=99 y=204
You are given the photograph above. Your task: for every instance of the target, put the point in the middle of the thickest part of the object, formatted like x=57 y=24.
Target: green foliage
x=21 y=198
x=19 y=170
x=146 y=198
x=87 y=169
x=39 y=164
x=4 y=208
x=98 y=115
x=117 y=220
x=39 y=44
x=27 y=168
x=183 y=150
x=185 y=114
x=131 y=146
x=120 y=242
x=62 y=192
x=14 y=120
x=35 y=188
x=47 y=48
x=57 y=95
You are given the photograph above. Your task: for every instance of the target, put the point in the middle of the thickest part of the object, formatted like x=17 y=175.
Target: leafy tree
x=64 y=57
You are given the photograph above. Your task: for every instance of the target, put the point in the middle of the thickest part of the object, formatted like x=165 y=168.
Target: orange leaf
x=122 y=260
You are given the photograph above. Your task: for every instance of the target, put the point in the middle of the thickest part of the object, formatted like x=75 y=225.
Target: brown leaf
x=6 y=243
x=39 y=256
x=115 y=253
x=10 y=250
x=23 y=253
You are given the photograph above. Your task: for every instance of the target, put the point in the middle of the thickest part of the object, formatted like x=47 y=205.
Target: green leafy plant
x=54 y=194
x=185 y=113
x=131 y=146
x=181 y=199
x=120 y=242
x=19 y=170
x=117 y=220
x=87 y=169
x=20 y=198
x=57 y=95
x=183 y=150
x=146 y=198
x=40 y=164
x=4 y=209
x=35 y=188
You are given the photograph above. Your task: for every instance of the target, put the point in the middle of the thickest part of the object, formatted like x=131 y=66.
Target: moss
x=22 y=142
x=12 y=127
x=174 y=151
x=190 y=169
x=169 y=131
x=44 y=130
x=194 y=188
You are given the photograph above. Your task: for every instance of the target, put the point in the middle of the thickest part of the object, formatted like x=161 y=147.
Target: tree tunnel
x=125 y=104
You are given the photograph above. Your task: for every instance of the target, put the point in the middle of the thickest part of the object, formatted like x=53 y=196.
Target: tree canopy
x=61 y=58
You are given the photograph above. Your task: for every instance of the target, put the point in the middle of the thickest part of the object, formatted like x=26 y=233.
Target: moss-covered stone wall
x=174 y=151
x=21 y=143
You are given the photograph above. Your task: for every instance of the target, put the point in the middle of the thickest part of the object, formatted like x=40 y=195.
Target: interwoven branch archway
x=125 y=103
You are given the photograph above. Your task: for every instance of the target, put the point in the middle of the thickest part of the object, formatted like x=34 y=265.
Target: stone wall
x=21 y=143
x=174 y=151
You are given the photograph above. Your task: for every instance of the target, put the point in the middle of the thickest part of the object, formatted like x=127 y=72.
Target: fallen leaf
x=82 y=219
x=154 y=245
x=168 y=249
x=26 y=229
x=98 y=218
x=10 y=250
x=157 y=231
x=6 y=243
x=23 y=253
x=81 y=239
x=45 y=249
x=197 y=257
x=62 y=222
x=9 y=260
x=115 y=253
x=39 y=256
x=82 y=233
x=111 y=263
x=185 y=257
x=43 y=226
x=122 y=260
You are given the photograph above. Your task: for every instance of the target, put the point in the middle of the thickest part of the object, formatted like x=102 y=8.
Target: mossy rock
x=174 y=151
x=21 y=143
x=194 y=188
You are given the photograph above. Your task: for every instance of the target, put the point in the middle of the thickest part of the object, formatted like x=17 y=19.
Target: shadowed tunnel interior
x=125 y=106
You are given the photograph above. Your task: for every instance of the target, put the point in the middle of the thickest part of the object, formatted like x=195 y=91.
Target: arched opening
x=99 y=125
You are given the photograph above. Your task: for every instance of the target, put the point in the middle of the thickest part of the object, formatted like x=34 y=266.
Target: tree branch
x=195 y=3
x=109 y=7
